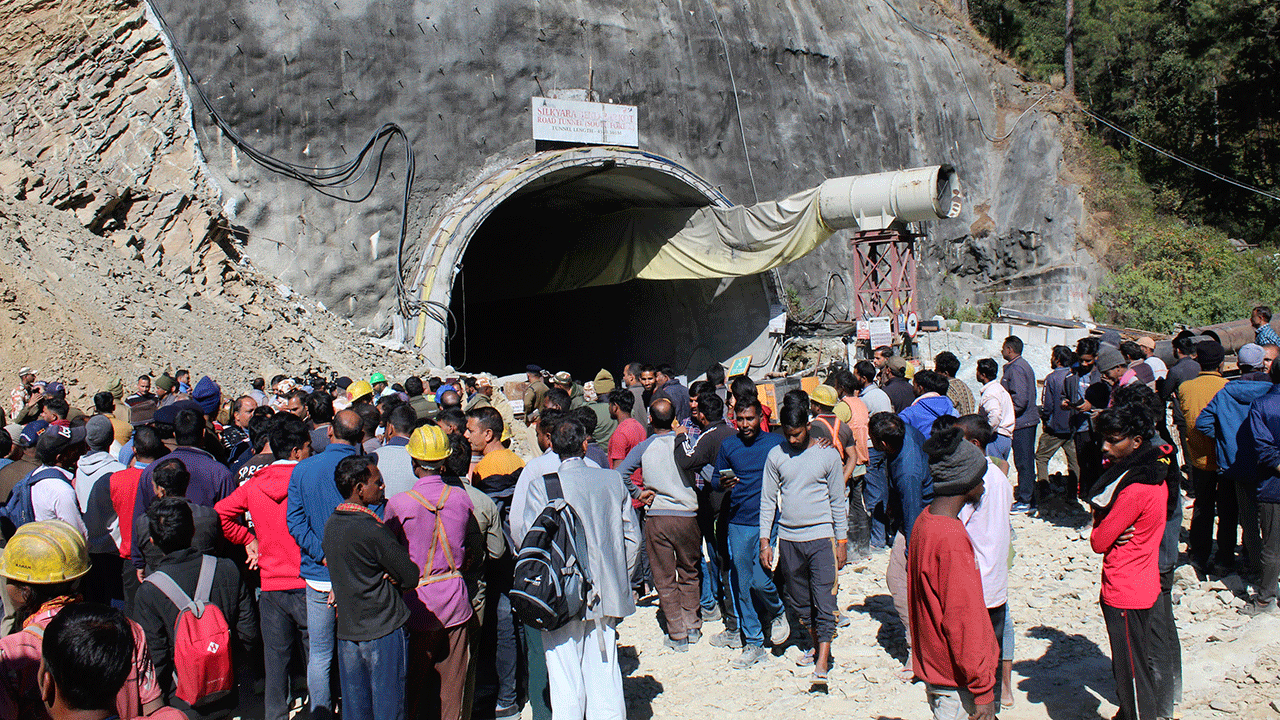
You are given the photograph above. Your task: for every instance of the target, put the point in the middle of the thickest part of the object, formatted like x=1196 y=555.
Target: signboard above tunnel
x=584 y=123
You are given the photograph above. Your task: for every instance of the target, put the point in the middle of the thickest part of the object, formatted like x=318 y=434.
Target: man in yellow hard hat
x=43 y=564
x=430 y=519
x=360 y=391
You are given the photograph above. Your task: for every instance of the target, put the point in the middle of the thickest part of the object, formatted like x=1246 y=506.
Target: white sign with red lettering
x=591 y=123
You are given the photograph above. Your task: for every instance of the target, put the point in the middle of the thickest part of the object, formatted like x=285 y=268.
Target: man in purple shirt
x=430 y=519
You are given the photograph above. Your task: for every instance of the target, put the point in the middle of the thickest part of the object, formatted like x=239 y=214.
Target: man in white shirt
x=52 y=497
x=876 y=400
x=991 y=532
x=1158 y=368
x=996 y=404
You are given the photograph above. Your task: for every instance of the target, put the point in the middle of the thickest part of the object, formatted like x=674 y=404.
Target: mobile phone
x=727 y=474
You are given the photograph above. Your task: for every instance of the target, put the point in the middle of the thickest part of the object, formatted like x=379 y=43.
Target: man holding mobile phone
x=755 y=596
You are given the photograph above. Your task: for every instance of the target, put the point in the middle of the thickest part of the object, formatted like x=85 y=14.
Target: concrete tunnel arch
x=485 y=254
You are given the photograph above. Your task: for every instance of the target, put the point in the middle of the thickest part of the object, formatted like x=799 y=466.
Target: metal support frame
x=884 y=274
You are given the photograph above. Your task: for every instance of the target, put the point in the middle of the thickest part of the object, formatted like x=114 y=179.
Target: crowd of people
x=376 y=547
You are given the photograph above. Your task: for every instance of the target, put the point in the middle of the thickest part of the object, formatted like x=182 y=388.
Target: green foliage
x=1197 y=77
x=989 y=311
x=1170 y=273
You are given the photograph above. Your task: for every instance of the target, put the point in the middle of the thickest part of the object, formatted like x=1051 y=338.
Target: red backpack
x=201 y=639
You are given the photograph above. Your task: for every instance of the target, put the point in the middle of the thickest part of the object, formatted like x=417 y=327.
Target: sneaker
x=751 y=655
x=1256 y=608
x=694 y=636
x=805 y=660
x=507 y=711
x=1020 y=508
x=681 y=645
x=843 y=620
x=819 y=677
x=726 y=639
x=780 y=631
x=712 y=615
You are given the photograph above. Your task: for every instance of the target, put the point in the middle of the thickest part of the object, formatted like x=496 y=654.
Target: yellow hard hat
x=359 y=389
x=825 y=395
x=44 y=553
x=429 y=444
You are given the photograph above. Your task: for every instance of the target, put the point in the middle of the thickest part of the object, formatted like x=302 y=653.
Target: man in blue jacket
x=910 y=490
x=1057 y=410
x=313 y=496
x=740 y=470
x=1226 y=420
x=931 y=402
x=1264 y=425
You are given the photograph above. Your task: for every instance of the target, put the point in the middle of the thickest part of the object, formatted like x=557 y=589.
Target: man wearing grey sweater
x=807 y=480
x=672 y=537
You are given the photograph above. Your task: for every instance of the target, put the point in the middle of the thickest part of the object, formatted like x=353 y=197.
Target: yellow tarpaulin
x=690 y=244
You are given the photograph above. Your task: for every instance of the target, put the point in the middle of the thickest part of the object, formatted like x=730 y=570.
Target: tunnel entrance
x=504 y=316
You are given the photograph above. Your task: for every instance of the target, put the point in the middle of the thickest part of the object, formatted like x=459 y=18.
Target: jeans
x=284 y=621
x=1215 y=495
x=875 y=493
x=498 y=655
x=321 y=619
x=999 y=446
x=755 y=595
x=373 y=676
x=1024 y=459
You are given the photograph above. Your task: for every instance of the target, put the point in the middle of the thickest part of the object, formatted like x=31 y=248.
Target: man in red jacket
x=1131 y=501
x=953 y=646
x=275 y=554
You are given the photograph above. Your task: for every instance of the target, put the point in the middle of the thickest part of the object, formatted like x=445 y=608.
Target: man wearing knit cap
x=208 y=396
x=1214 y=497
x=954 y=647
x=164 y=388
x=93 y=493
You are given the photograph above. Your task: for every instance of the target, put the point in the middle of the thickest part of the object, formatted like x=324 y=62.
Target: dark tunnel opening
x=505 y=319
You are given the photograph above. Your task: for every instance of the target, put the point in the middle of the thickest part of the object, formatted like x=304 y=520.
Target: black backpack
x=552 y=583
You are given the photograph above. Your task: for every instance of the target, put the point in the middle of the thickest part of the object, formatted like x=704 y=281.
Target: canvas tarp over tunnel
x=690 y=243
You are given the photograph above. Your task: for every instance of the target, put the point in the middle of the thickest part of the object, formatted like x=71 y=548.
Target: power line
x=1176 y=158
x=742 y=130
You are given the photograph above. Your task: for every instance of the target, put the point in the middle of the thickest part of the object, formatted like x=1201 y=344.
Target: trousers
x=675 y=552
x=373 y=676
x=859 y=535
x=1024 y=459
x=1165 y=653
x=1215 y=497
x=1247 y=515
x=809 y=569
x=1269 y=522
x=284 y=624
x=875 y=496
x=583 y=671
x=1048 y=446
x=1130 y=635
x=896 y=579
x=948 y=703
x=439 y=659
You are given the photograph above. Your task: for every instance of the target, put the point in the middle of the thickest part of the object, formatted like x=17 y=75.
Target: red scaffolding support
x=884 y=275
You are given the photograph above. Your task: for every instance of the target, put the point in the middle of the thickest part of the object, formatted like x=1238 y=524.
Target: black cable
x=325 y=179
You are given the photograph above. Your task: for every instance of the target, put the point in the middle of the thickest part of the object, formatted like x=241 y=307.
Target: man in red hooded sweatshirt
x=275 y=554
x=1131 y=502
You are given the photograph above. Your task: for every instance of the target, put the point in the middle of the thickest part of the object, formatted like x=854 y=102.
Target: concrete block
x=1075 y=335
x=1055 y=336
x=999 y=331
x=967 y=328
x=1030 y=335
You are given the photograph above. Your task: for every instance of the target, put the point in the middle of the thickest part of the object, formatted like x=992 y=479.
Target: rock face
x=115 y=257
x=760 y=99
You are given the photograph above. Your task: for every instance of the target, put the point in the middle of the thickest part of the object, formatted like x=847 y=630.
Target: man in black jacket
x=699 y=457
x=369 y=569
x=171 y=531
x=170 y=480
